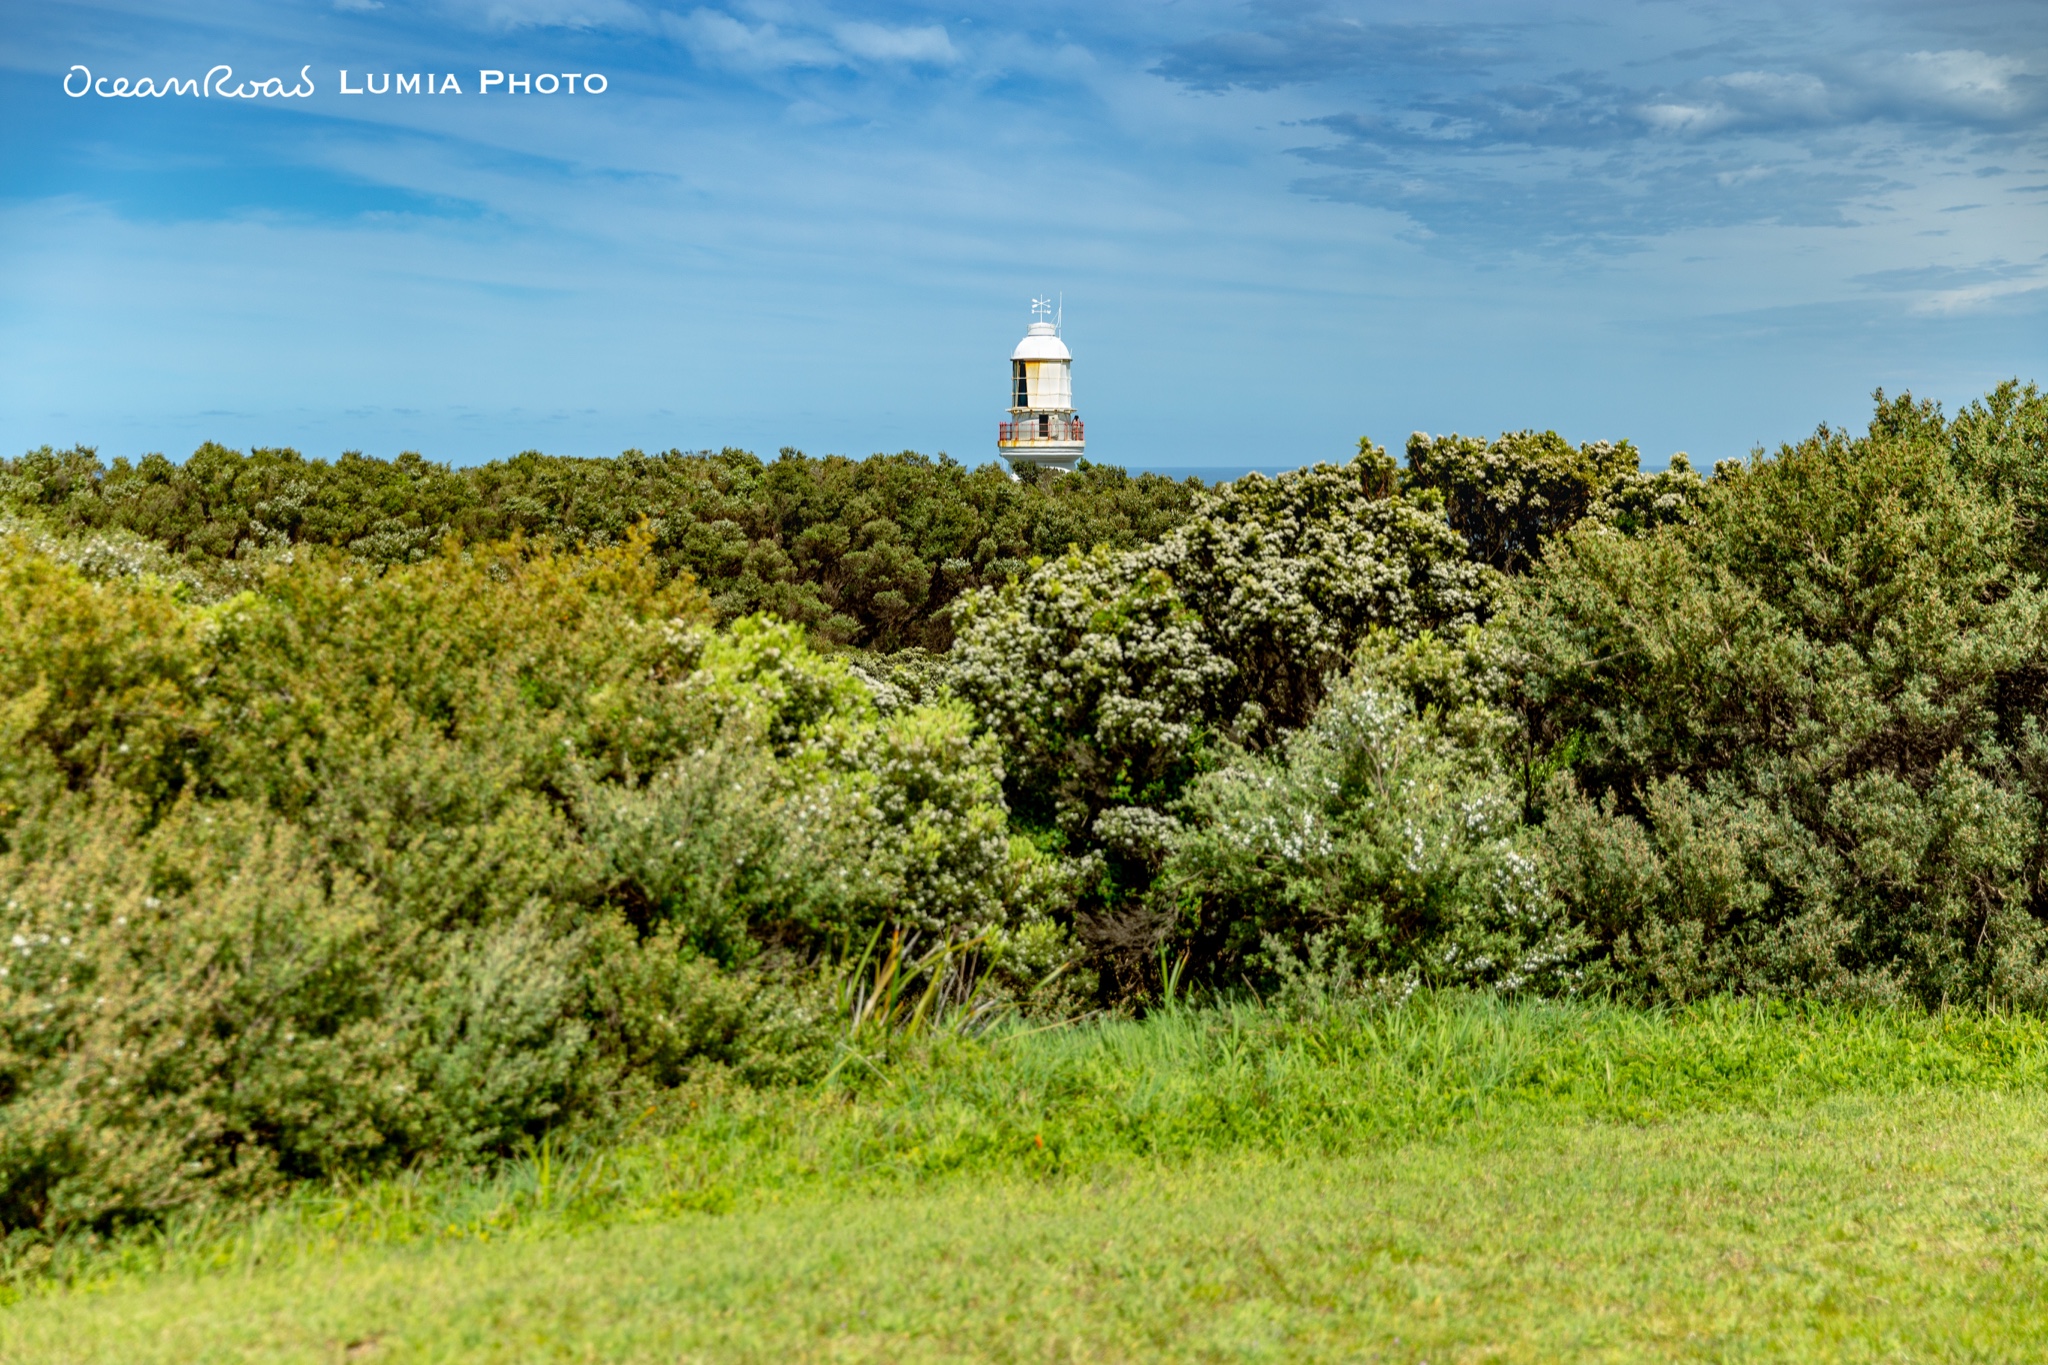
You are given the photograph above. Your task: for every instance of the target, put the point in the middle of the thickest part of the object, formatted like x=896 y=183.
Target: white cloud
x=1963 y=83
x=1776 y=93
x=1685 y=118
x=878 y=43
x=613 y=14
x=715 y=37
x=1973 y=297
x=1742 y=99
x=778 y=42
x=1955 y=85
x=358 y=6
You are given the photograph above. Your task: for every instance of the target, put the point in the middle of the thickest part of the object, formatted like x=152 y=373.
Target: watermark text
x=220 y=83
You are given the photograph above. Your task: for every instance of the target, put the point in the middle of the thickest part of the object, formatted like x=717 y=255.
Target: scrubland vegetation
x=392 y=852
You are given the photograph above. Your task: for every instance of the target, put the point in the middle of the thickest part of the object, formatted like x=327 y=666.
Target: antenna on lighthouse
x=1059 y=315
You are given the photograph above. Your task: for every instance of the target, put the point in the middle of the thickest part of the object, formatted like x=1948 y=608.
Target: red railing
x=1011 y=433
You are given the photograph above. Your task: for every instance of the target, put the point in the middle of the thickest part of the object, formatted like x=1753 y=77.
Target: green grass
x=1456 y=1179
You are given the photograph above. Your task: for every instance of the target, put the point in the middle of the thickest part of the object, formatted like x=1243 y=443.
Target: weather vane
x=1041 y=310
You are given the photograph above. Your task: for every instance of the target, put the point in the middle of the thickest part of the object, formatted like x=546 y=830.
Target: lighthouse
x=1043 y=430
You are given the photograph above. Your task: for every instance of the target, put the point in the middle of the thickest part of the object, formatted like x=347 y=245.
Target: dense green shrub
x=1111 y=677
x=1288 y=575
x=866 y=552
x=2000 y=443
x=200 y=1007
x=362 y=867
x=1376 y=837
x=1804 y=728
x=1100 y=681
x=1508 y=495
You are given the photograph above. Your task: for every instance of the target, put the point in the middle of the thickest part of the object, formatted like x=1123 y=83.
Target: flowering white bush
x=1111 y=679
x=1373 y=835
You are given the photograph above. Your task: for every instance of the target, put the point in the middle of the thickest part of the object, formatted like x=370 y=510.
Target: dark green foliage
x=1507 y=496
x=220 y=501
x=1805 y=727
x=864 y=552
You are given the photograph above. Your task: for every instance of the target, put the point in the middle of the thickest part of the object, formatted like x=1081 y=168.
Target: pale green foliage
x=355 y=869
x=95 y=680
x=938 y=853
x=2001 y=442
x=699 y=850
x=909 y=677
x=660 y=1013
x=1374 y=837
x=1636 y=502
x=807 y=809
x=763 y=684
x=197 y=1009
x=1041 y=967
x=112 y=553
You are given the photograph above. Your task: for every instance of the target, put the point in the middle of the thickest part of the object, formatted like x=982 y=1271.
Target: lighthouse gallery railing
x=1047 y=428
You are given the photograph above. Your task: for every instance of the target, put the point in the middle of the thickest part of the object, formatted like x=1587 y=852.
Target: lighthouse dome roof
x=1042 y=342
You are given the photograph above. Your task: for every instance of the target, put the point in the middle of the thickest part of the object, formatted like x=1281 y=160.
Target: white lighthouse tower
x=1043 y=430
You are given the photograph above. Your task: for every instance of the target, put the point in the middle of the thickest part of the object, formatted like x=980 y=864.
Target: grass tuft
x=1056 y=1106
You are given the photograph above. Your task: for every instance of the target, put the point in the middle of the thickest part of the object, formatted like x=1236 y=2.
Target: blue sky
x=1276 y=226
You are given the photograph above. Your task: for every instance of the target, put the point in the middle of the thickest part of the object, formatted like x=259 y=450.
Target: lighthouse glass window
x=1020 y=391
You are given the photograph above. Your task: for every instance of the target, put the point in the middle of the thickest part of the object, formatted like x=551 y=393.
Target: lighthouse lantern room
x=1043 y=430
